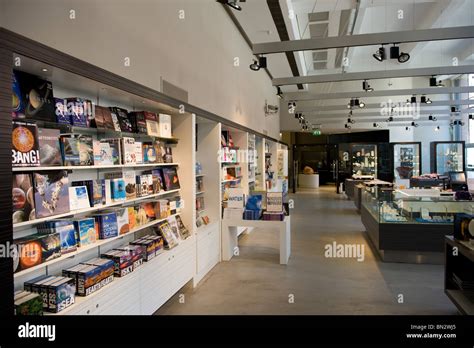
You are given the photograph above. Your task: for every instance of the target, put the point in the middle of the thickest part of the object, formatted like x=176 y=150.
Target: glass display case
x=447 y=156
x=406 y=159
x=413 y=206
x=364 y=159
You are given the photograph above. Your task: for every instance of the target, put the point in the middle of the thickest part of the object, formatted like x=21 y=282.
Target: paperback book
x=152 y=125
x=115 y=147
x=25 y=145
x=23 y=198
x=138 y=152
x=118 y=190
x=138 y=122
x=122 y=220
x=77 y=150
x=115 y=120
x=166 y=232
x=183 y=231
x=80 y=111
x=128 y=151
x=49 y=147
x=78 y=198
x=51 y=193
x=165 y=125
x=129 y=178
x=85 y=230
x=149 y=153
x=60 y=110
x=170 y=178
x=124 y=121
x=107 y=225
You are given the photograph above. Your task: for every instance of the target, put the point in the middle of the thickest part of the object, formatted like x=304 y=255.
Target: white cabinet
x=208 y=250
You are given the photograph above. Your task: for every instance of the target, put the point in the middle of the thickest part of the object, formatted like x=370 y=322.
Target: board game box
x=123 y=262
x=61 y=294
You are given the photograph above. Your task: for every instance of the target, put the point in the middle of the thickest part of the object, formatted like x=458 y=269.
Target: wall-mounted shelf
x=40 y=169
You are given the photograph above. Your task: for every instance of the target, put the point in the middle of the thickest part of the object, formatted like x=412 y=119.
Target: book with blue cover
x=254 y=202
x=107 y=223
x=85 y=229
x=60 y=109
x=118 y=189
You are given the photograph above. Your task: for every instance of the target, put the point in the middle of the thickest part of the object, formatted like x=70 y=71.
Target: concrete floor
x=255 y=283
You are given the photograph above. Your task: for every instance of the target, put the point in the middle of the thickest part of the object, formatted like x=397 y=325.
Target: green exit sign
x=317 y=132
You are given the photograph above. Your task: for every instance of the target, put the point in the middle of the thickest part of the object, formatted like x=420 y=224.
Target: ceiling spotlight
x=471 y=117
x=375 y=125
x=428 y=101
x=362 y=104
x=413 y=124
x=231 y=3
x=403 y=57
x=44 y=70
x=453 y=109
x=423 y=99
x=394 y=52
x=297 y=115
x=366 y=87
x=279 y=93
x=440 y=84
x=407 y=128
x=413 y=100
x=390 y=119
x=437 y=129
x=431 y=118
x=380 y=54
x=257 y=65
x=350 y=121
x=433 y=81
x=349 y=105
x=348 y=126
x=408 y=102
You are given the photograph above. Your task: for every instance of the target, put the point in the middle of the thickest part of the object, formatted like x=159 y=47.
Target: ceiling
x=319 y=19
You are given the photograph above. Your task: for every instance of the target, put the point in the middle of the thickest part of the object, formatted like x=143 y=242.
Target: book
x=29 y=253
x=174 y=226
x=166 y=232
x=128 y=151
x=108 y=121
x=149 y=179
x=132 y=217
x=160 y=150
x=149 y=153
x=168 y=155
x=79 y=110
x=157 y=181
x=77 y=150
x=18 y=104
x=31 y=304
x=129 y=178
x=142 y=185
x=124 y=121
x=162 y=210
x=273 y=216
x=23 y=198
x=85 y=231
x=274 y=202
x=138 y=122
x=50 y=246
x=235 y=198
x=36 y=94
x=107 y=224
x=78 y=198
x=138 y=152
x=164 y=122
x=170 y=178
x=49 y=147
x=98 y=192
x=60 y=110
x=233 y=213
x=106 y=157
x=114 y=144
x=115 y=120
x=122 y=220
x=25 y=144
x=51 y=193
x=118 y=190
x=99 y=117
x=183 y=231
x=152 y=126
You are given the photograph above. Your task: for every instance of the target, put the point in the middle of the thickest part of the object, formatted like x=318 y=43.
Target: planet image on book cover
x=23 y=198
x=51 y=193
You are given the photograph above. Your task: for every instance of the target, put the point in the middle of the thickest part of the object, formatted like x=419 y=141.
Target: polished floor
x=254 y=282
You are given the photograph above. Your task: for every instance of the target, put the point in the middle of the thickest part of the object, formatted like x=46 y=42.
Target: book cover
x=132 y=217
x=106 y=155
x=157 y=181
x=23 y=198
x=85 y=230
x=79 y=111
x=138 y=152
x=183 y=231
x=170 y=178
x=168 y=155
x=50 y=245
x=166 y=232
x=108 y=121
x=138 y=122
x=275 y=202
x=149 y=180
x=51 y=193
x=142 y=185
x=115 y=147
x=160 y=150
x=115 y=120
x=29 y=253
x=129 y=178
x=122 y=220
x=128 y=151
x=107 y=225
x=149 y=153
x=118 y=190
x=98 y=192
x=78 y=198
x=77 y=150
x=67 y=234
x=18 y=104
x=152 y=125
x=60 y=110
x=99 y=117
x=149 y=209
x=164 y=122
x=124 y=121
x=174 y=226
x=37 y=97
x=25 y=145
x=50 y=150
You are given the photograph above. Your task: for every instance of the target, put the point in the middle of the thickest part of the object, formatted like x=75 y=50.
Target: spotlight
x=437 y=129
x=471 y=117
x=297 y=115
x=453 y=109
x=347 y=126
x=257 y=65
x=433 y=81
x=440 y=84
x=279 y=93
x=403 y=57
x=431 y=118
x=349 y=105
x=407 y=128
x=423 y=99
x=362 y=104
x=428 y=101
x=380 y=54
x=291 y=107
x=231 y=3
x=350 y=121
x=390 y=119
x=375 y=125
x=394 y=52
x=356 y=102
x=413 y=124
x=408 y=102
x=366 y=87
x=413 y=100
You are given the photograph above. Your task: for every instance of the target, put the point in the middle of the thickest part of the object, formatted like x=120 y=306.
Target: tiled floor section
x=254 y=282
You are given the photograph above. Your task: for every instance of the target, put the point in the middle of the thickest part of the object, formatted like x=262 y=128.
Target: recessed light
x=44 y=70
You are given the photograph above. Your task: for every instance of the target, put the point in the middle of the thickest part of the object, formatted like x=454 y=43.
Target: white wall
x=195 y=53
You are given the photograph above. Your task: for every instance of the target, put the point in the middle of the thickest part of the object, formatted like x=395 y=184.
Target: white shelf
x=199 y=175
x=200 y=193
x=90 y=210
x=40 y=169
x=87 y=247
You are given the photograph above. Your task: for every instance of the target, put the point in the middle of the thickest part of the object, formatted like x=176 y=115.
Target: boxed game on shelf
x=137 y=252
x=23 y=198
x=28 y=303
x=152 y=246
x=77 y=150
x=49 y=147
x=123 y=261
x=51 y=193
x=91 y=275
x=25 y=144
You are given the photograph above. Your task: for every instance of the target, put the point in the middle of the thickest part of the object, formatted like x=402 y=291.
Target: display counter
x=414 y=235
x=308 y=180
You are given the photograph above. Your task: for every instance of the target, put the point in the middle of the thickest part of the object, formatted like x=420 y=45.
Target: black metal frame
x=392 y=154
x=433 y=152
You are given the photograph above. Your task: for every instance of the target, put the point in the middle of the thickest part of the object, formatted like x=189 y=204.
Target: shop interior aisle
x=254 y=282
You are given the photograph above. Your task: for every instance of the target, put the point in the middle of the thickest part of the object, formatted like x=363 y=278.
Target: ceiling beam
x=434 y=34
x=374 y=75
x=378 y=106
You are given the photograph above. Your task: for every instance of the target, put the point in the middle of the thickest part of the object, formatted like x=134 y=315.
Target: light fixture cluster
x=456 y=123
x=366 y=87
x=423 y=100
x=305 y=125
x=279 y=93
x=435 y=83
x=355 y=102
x=431 y=118
x=395 y=53
x=232 y=3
